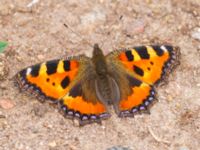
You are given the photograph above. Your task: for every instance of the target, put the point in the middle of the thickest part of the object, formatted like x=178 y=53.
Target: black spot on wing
x=133 y=81
x=67 y=65
x=35 y=70
x=65 y=82
x=158 y=50
x=129 y=55
x=151 y=63
x=76 y=91
x=142 y=52
x=138 y=70
x=52 y=66
x=47 y=79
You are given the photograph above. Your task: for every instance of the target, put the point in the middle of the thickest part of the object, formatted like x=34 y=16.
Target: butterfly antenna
x=79 y=35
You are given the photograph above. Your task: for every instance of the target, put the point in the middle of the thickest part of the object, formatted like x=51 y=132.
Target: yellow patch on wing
x=51 y=84
x=149 y=69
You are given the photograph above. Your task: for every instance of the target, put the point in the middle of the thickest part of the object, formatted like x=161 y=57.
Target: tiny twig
x=158 y=139
x=2 y=116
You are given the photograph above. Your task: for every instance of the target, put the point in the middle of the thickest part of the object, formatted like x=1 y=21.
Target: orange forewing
x=50 y=84
x=150 y=69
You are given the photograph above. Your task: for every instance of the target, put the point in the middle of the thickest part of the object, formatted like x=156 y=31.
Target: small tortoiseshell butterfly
x=84 y=87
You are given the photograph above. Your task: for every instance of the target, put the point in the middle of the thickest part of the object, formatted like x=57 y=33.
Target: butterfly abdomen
x=106 y=88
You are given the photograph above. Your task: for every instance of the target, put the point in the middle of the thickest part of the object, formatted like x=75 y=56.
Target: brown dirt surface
x=35 y=33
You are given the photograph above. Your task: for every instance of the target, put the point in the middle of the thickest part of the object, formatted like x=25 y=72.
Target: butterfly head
x=99 y=61
x=97 y=51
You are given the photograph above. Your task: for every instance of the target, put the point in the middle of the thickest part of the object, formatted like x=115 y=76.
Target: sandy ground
x=35 y=33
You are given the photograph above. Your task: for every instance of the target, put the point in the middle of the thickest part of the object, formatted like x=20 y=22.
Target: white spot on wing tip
x=163 y=48
x=28 y=71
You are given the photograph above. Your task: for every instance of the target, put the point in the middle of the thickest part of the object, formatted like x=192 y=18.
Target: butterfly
x=84 y=87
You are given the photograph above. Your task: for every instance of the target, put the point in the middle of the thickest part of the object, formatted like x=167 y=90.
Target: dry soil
x=35 y=33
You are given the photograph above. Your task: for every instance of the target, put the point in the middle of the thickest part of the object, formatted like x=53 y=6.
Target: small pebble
x=40 y=57
x=6 y=104
x=178 y=105
x=76 y=123
x=183 y=148
x=103 y=127
x=169 y=98
x=33 y=2
x=48 y=125
x=52 y=144
x=196 y=34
